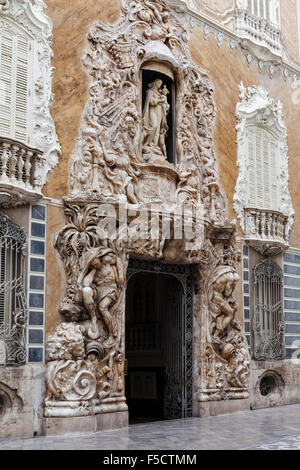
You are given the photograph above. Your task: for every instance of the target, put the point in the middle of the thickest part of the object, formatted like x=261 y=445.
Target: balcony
x=19 y=179
x=258 y=36
x=266 y=231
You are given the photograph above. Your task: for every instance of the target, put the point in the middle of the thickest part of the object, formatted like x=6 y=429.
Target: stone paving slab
x=273 y=428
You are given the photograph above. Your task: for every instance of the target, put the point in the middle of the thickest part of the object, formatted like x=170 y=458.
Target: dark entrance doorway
x=159 y=341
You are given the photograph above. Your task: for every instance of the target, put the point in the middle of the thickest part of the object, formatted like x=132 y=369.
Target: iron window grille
x=268 y=320
x=13 y=304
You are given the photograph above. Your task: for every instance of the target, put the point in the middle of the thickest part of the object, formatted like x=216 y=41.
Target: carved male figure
x=100 y=279
x=224 y=306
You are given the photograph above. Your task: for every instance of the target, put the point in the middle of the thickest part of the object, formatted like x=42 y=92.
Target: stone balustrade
x=259 y=31
x=19 y=180
x=266 y=229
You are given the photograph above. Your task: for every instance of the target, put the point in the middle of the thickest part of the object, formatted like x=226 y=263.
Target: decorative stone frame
x=258 y=109
x=276 y=397
x=29 y=15
x=88 y=348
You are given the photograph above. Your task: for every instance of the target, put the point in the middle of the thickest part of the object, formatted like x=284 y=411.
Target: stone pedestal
x=205 y=409
x=85 y=424
x=158 y=182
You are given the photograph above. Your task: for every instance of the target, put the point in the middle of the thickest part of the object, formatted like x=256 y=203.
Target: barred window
x=13 y=305
x=16 y=72
x=268 y=320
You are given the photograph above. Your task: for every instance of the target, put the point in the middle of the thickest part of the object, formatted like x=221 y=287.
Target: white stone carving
x=121 y=153
x=155 y=125
x=29 y=14
x=109 y=174
x=258 y=36
x=257 y=108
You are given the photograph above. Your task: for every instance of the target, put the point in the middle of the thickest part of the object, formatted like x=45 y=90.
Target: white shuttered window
x=15 y=83
x=263 y=169
x=267 y=9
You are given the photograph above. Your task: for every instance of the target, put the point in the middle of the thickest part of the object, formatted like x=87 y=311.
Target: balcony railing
x=19 y=179
x=259 y=32
x=266 y=229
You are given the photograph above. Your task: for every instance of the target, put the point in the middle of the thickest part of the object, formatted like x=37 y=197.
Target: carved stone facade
x=124 y=190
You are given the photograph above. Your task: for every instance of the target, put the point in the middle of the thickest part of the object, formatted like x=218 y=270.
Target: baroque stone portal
x=126 y=200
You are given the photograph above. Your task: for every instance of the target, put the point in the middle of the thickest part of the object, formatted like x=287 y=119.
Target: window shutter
x=6 y=81
x=267 y=15
x=259 y=170
x=262 y=169
x=14 y=85
x=261 y=8
x=251 y=169
x=22 y=56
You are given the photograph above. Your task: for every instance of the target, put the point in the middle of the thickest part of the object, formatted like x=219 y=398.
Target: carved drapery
x=111 y=184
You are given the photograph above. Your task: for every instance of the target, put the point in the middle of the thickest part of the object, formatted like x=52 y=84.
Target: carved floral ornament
x=29 y=15
x=119 y=172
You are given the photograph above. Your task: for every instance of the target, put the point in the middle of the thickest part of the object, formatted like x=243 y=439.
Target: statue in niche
x=155 y=125
x=99 y=283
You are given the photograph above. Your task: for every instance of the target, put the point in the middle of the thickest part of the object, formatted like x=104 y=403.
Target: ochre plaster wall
x=56 y=279
x=71 y=23
x=289 y=26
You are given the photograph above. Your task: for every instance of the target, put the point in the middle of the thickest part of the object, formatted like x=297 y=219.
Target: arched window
x=268 y=322
x=13 y=305
x=16 y=82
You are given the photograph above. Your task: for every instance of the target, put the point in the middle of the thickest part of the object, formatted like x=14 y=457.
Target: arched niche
x=151 y=71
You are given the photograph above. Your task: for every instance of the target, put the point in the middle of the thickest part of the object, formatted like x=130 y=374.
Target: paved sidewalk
x=273 y=428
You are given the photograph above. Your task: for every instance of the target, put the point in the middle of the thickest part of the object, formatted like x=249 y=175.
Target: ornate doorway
x=159 y=341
